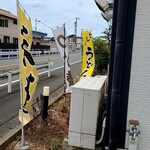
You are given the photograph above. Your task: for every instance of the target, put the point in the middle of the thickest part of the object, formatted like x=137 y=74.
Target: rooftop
x=73 y=36
x=39 y=34
x=7 y=14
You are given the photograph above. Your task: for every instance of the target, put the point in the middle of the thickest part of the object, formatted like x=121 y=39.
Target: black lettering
x=24 y=30
x=91 y=55
x=89 y=64
x=89 y=49
x=87 y=39
x=82 y=74
x=89 y=52
x=24 y=44
x=24 y=110
x=29 y=79
x=26 y=53
x=28 y=57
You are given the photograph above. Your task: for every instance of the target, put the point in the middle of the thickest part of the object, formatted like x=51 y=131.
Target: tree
x=107 y=34
x=102 y=52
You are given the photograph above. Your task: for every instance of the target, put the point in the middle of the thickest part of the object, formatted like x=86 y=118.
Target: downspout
x=117 y=73
x=130 y=24
x=111 y=62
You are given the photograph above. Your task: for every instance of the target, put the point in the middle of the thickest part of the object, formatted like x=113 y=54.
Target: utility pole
x=36 y=24
x=76 y=32
x=36 y=21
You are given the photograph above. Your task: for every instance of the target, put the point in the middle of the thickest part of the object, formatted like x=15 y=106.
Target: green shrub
x=55 y=144
x=102 y=52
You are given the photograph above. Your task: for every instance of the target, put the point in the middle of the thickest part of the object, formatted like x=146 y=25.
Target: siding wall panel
x=139 y=92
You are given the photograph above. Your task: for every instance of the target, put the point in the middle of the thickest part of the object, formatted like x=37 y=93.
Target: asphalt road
x=9 y=64
x=10 y=103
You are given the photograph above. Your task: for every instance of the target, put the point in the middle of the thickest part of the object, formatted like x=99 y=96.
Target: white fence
x=14 y=52
x=10 y=73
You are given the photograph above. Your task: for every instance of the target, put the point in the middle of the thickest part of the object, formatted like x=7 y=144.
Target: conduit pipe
x=111 y=63
x=103 y=131
x=117 y=73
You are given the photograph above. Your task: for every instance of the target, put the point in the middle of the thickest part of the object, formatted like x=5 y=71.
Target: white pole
x=21 y=103
x=9 y=82
x=49 y=69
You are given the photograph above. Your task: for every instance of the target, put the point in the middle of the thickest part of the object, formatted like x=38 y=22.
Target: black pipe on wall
x=117 y=73
x=129 y=34
x=111 y=63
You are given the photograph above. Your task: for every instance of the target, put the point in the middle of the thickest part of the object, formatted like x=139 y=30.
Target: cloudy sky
x=57 y=12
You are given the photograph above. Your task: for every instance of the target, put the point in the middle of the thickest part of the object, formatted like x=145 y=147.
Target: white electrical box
x=85 y=100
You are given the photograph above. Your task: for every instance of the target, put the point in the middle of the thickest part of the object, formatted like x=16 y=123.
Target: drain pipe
x=111 y=62
x=117 y=73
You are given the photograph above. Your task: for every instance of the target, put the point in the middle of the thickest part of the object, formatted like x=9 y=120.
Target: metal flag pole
x=22 y=128
x=64 y=64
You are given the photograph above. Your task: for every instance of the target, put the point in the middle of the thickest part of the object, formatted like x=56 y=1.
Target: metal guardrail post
x=50 y=66
x=9 y=82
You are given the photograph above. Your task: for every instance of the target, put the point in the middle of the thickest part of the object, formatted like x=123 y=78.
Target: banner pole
x=64 y=64
x=22 y=128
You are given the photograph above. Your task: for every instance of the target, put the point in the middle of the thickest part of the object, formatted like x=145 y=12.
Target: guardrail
x=10 y=73
x=16 y=53
x=10 y=53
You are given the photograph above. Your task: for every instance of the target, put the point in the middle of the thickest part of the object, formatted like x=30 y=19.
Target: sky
x=53 y=13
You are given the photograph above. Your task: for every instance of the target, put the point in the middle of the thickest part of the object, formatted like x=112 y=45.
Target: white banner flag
x=60 y=39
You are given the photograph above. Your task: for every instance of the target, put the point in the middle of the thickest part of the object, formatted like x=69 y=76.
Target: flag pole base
x=19 y=146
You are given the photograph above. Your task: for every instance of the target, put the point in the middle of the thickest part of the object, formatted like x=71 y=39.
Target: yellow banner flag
x=88 y=58
x=28 y=70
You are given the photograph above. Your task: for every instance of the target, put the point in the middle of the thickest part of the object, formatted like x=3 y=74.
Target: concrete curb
x=9 y=137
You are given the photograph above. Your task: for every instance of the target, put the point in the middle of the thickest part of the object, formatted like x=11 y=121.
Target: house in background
x=9 y=35
x=74 y=43
x=8 y=27
x=41 y=42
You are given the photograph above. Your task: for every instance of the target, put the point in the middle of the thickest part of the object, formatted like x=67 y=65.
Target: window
x=37 y=43
x=14 y=21
x=15 y=40
x=73 y=40
x=6 y=39
x=6 y=23
x=3 y=23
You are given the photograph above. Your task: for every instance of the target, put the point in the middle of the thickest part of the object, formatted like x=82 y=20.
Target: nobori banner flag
x=60 y=39
x=28 y=70
x=88 y=58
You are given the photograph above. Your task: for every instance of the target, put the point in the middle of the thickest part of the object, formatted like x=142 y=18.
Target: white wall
x=139 y=92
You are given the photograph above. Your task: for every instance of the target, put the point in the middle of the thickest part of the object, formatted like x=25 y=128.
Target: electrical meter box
x=85 y=99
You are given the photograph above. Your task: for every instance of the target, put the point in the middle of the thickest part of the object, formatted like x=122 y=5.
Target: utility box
x=85 y=100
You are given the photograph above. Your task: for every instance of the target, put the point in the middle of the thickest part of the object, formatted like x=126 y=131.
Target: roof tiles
x=7 y=14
